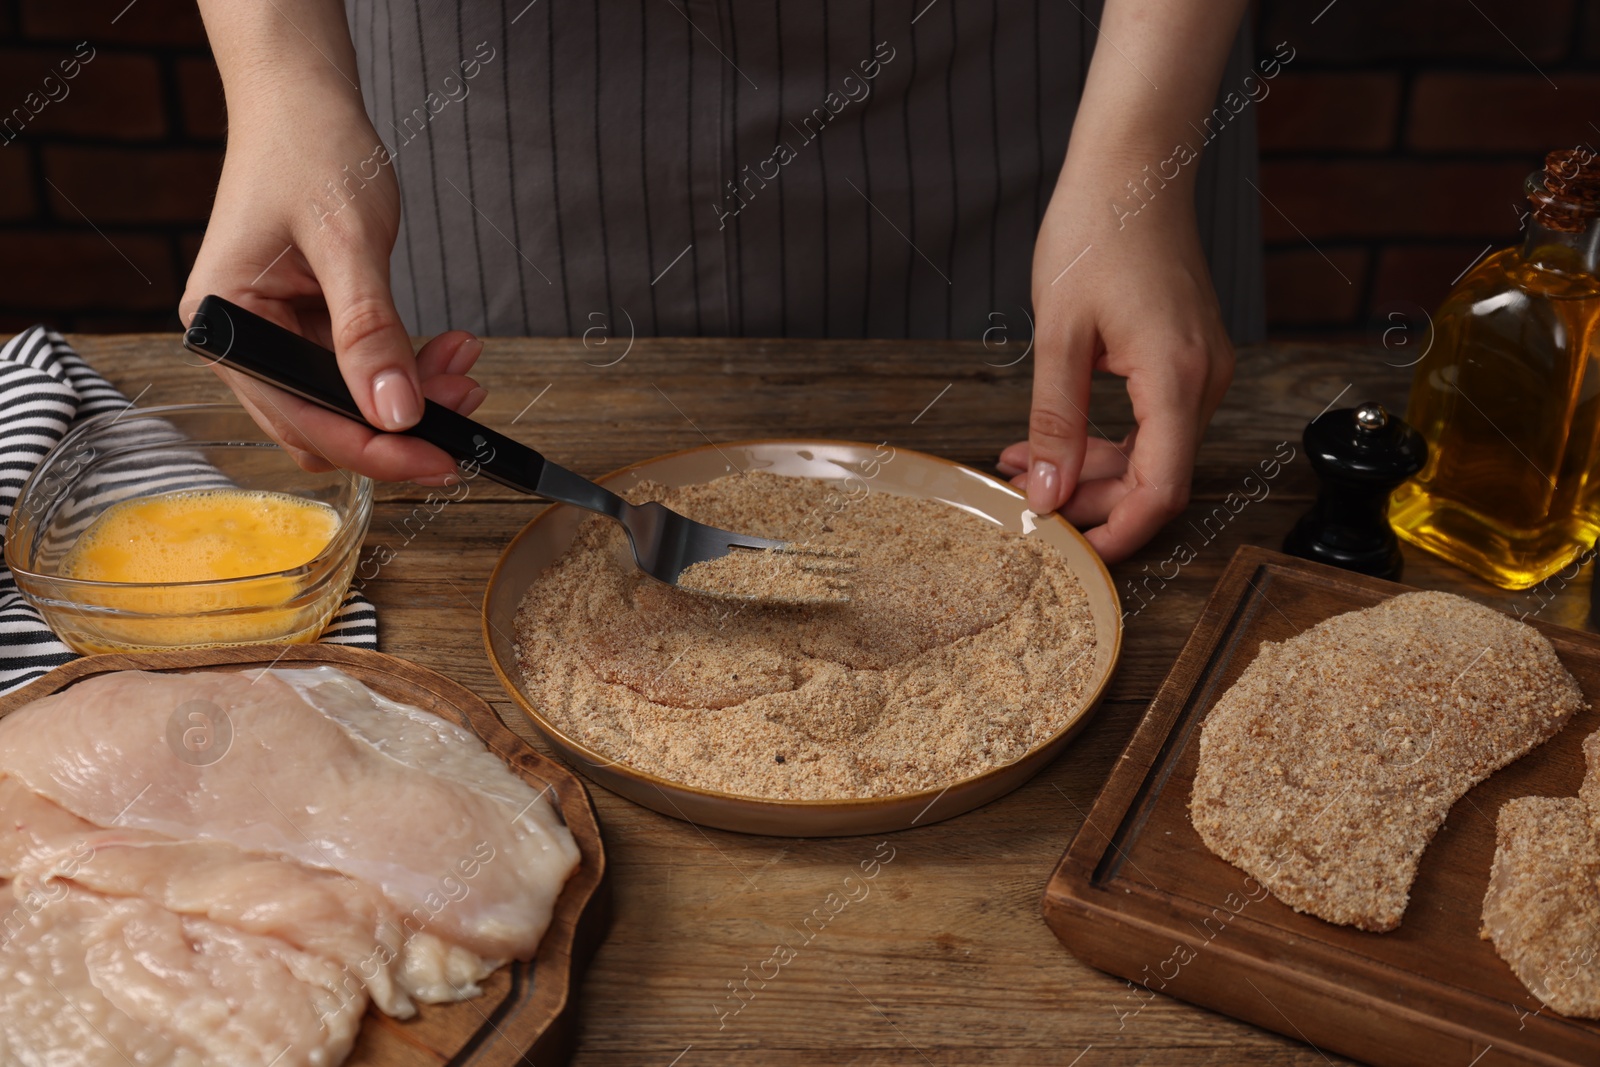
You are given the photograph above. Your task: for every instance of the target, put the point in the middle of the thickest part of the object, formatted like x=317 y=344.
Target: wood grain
x=527 y=1008
x=949 y=961
x=1141 y=896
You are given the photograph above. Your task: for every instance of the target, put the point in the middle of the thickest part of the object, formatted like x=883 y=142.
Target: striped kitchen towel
x=45 y=389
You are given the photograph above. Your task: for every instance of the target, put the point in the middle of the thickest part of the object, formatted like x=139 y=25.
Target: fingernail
x=470 y=402
x=465 y=355
x=1042 y=488
x=395 y=399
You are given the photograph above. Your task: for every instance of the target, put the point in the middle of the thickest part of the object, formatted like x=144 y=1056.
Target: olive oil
x=1508 y=396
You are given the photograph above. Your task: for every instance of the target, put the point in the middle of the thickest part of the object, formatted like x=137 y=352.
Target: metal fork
x=664 y=543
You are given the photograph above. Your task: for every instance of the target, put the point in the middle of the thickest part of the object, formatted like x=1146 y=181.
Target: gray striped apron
x=872 y=168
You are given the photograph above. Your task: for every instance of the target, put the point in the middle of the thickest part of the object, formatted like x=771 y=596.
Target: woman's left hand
x=1130 y=294
x=1120 y=282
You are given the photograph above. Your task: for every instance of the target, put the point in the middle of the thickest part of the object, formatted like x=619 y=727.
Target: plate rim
x=773 y=804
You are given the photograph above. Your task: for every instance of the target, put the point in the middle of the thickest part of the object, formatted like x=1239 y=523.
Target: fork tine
x=666 y=544
x=806 y=548
x=827 y=566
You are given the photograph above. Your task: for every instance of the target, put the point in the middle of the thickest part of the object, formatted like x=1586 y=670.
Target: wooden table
x=947 y=961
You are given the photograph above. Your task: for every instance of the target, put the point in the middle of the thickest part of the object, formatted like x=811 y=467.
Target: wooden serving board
x=1139 y=895
x=526 y=1014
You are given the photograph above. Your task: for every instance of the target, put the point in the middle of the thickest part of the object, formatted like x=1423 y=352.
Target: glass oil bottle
x=1508 y=396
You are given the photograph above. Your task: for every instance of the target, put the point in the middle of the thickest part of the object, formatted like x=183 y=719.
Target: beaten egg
x=201 y=536
x=204 y=567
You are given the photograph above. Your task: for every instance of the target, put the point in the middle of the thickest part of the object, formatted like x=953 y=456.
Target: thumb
x=373 y=347
x=1057 y=433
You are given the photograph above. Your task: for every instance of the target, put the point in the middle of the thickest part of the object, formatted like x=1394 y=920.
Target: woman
x=710 y=167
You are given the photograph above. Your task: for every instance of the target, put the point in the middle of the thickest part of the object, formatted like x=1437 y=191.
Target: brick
x=172 y=22
x=127 y=322
x=47 y=272
x=117 y=185
x=200 y=93
x=112 y=96
x=1501 y=112
x=1423 y=274
x=1385 y=199
x=17 y=200
x=1326 y=112
x=1305 y=289
x=1365 y=31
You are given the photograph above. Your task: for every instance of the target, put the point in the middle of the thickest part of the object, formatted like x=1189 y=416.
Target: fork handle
x=241 y=340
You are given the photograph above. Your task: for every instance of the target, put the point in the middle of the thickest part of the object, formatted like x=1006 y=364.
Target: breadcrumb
x=1330 y=764
x=771 y=576
x=1542 y=910
x=962 y=648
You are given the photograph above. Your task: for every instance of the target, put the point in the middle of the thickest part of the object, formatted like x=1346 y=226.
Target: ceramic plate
x=912 y=474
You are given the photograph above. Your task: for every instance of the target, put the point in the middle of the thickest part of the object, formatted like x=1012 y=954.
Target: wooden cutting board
x=1137 y=893
x=526 y=1007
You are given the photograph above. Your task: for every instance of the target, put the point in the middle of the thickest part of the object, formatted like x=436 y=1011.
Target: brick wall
x=1393 y=148
x=131 y=145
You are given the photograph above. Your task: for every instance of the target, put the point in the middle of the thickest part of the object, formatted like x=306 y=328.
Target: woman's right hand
x=305 y=218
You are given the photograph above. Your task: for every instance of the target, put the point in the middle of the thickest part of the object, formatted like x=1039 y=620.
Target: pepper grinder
x=1361 y=455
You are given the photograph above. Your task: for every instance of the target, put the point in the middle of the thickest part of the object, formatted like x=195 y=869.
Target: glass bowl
x=144 y=452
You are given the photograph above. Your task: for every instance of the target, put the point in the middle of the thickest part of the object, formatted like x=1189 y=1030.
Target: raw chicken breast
x=170 y=911
x=87 y=981
x=34 y=831
x=321 y=912
x=413 y=737
x=50 y=1013
x=460 y=848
